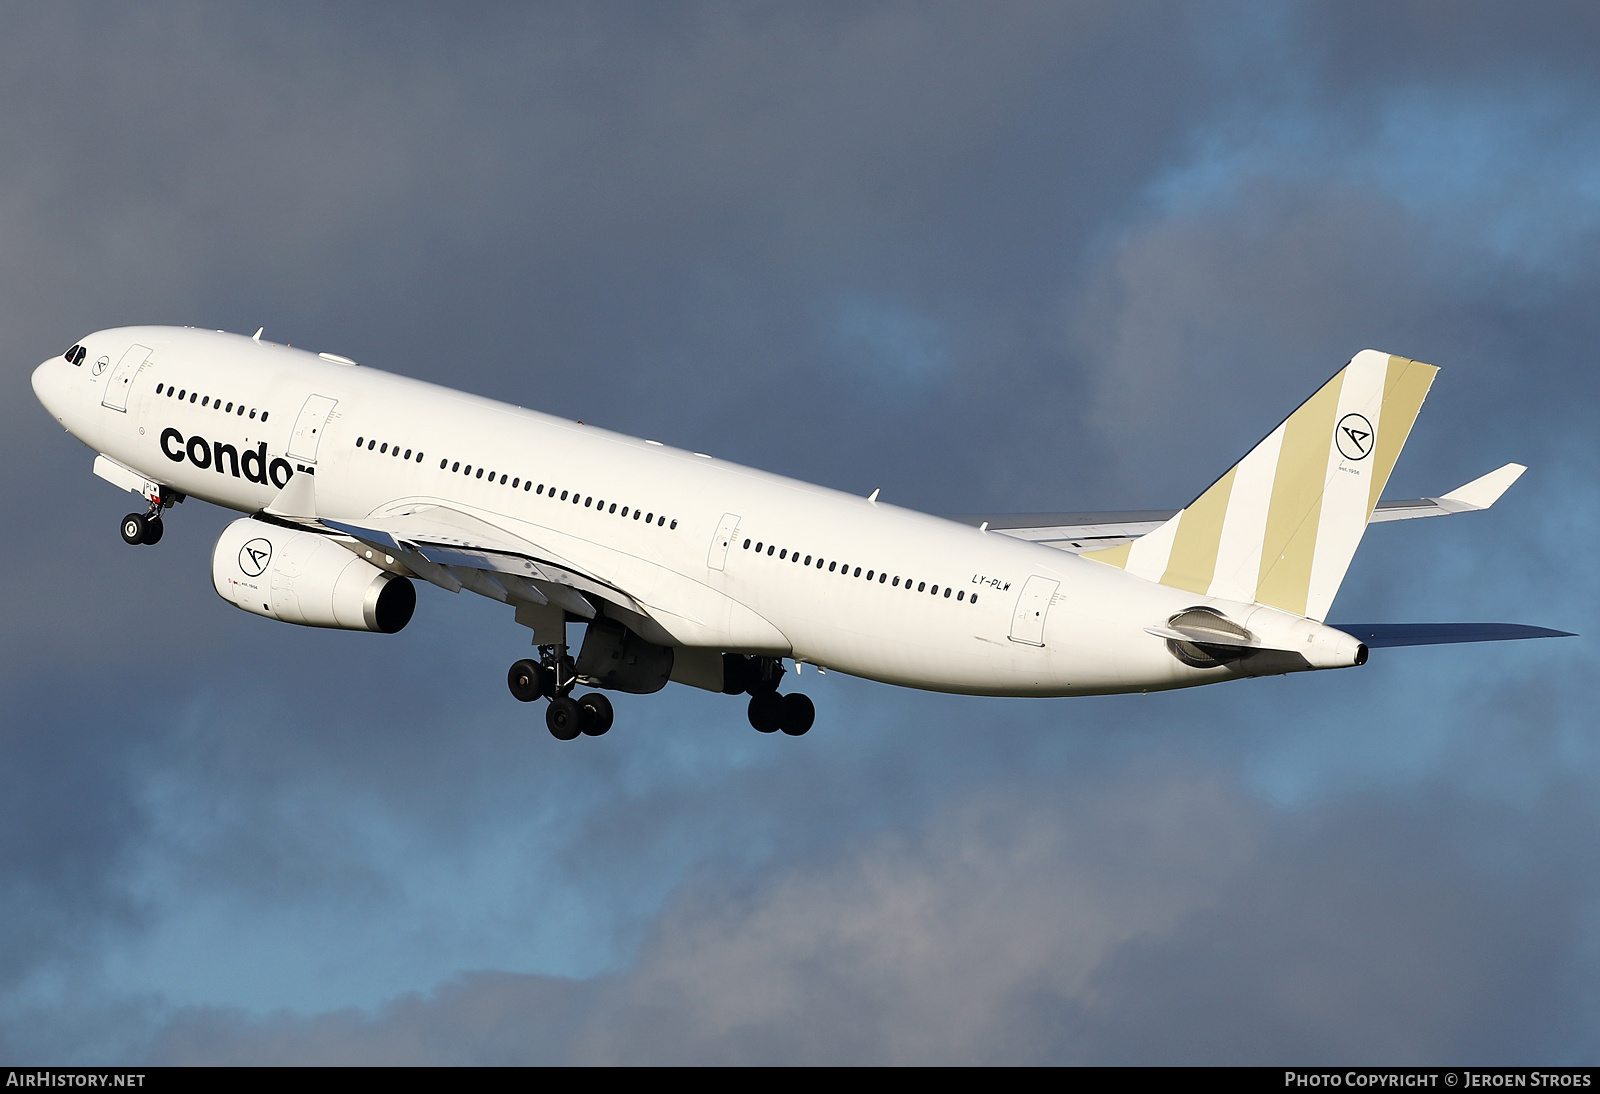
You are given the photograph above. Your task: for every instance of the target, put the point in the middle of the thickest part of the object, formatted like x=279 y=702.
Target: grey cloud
x=1151 y=913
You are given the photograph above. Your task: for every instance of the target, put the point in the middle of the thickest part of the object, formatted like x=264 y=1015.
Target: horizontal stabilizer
x=1377 y=635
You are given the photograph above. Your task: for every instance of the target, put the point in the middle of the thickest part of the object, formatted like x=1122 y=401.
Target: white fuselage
x=202 y=405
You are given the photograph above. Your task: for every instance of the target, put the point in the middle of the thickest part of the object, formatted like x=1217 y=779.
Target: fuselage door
x=717 y=558
x=1027 y=625
x=121 y=378
x=308 y=428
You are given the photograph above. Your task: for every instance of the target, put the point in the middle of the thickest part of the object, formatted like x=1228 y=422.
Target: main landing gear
x=553 y=677
x=769 y=711
x=147 y=528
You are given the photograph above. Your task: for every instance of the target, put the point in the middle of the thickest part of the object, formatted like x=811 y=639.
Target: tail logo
x=1354 y=437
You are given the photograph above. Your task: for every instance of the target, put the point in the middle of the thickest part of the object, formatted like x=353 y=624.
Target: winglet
x=1484 y=491
x=298 y=499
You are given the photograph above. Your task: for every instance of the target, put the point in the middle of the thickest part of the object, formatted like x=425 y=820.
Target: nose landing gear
x=137 y=529
x=553 y=677
x=147 y=528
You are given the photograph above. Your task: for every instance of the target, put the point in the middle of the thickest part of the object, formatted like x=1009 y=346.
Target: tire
x=133 y=529
x=152 y=531
x=597 y=713
x=526 y=681
x=797 y=714
x=735 y=674
x=564 y=719
x=766 y=712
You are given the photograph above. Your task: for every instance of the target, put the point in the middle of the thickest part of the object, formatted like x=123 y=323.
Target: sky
x=985 y=258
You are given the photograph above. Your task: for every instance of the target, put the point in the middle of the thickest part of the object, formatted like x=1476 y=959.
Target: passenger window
x=674 y=527
x=636 y=514
x=882 y=578
x=194 y=396
x=962 y=595
x=563 y=495
x=229 y=410
x=921 y=585
x=480 y=472
x=746 y=545
x=649 y=518
x=897 y=582
x=158 y=389
x=240 y=411
x=263 y=415
x=771 y=549
x=947 y=592
x=613 y=509
x=360 y=441
x=252 y=412
x=382 y=448
x=783 y=554
x=206 y=401
x=516 y=483
x=408 y=453
x=831 y=565
x=857 y=573
x=502 y=480
x=973 y=599
x=181 y=394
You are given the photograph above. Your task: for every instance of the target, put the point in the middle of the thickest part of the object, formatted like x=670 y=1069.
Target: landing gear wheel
x=133 y=527
x=526 y=680
x=564 y=718
x=152 y=531
x=766 y=711
x=597 y=713
x=797 y=714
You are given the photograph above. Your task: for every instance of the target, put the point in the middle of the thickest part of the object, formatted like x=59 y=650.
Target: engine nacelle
x=301 y=577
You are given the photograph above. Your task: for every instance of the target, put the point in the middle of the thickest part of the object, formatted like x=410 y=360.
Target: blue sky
x=1053 y=256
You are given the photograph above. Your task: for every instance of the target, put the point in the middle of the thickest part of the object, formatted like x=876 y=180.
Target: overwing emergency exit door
x=308 y=428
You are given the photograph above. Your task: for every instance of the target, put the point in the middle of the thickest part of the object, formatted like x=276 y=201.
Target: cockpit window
x=76 y=354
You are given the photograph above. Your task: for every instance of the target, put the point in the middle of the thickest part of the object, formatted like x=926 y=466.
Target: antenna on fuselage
x=256 y=337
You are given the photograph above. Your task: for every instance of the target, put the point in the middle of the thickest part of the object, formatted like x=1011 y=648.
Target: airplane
x=685 y=568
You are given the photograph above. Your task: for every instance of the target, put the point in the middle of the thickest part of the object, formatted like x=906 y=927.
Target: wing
x=1079 y=532
x=546 y=575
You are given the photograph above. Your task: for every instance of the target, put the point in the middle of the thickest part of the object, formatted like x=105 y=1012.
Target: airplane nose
x=48 y=385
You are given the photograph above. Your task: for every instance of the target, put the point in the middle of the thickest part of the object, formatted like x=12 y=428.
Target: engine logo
x=1353 y=435
x=254 y=556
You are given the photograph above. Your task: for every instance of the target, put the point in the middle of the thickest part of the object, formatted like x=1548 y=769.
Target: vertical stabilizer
x=1281 y=527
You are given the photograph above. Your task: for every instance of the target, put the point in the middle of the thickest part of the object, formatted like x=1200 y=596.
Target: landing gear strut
x=553 y=677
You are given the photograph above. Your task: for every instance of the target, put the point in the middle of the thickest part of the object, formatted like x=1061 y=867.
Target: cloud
x=1154 y=912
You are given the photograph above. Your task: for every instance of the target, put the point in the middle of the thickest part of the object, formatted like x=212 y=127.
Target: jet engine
x=305 y=578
